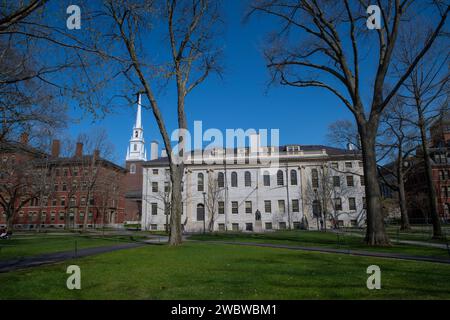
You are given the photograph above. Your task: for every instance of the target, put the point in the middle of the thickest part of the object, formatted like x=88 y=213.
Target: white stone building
x=311 y=183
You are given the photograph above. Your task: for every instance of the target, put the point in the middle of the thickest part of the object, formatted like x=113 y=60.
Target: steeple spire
x=136 y=149
x=138 y=116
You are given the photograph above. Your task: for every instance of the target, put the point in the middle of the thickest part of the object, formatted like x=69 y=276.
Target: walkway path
x=50 y=258
x=411 y=242
x=338 y=251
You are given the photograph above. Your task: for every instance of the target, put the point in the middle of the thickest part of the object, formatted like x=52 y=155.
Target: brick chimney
x=79 y=150
x=24 y=138
x=56 y=147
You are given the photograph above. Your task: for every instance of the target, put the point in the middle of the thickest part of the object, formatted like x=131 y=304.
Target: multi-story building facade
x=41 y=190
x=313 y=187
x=416 y=188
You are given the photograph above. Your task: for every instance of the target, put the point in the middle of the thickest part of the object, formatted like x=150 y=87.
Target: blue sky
x=241 y=99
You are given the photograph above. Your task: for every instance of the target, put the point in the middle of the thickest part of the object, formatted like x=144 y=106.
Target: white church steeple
x=136 y=150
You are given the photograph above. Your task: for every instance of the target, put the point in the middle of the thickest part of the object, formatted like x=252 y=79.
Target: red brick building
x=40 y=190
x=416 y=187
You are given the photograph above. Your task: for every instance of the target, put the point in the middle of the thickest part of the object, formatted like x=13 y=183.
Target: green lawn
x=36 y=244
x=213 y=271
x=320 y=239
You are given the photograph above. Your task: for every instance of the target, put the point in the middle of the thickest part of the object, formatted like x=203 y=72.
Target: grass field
x=214 y=271
x=321 y=239
x=31 y=245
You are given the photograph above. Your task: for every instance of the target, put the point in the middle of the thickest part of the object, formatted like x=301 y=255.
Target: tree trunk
x=375 y=231
x=10 y=221
x=437 y=231
x=175 y=237
x=402 y=198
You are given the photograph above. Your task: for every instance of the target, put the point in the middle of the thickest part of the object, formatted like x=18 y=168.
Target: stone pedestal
x=258 y=226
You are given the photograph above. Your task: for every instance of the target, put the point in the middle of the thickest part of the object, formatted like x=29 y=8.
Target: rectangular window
x=221 y=207
x=235 y=227
x=338 y=204
x=351 y=204
x=295 y=206
x=336 y=181
x=268 y=225
x=348 y=165
x=266 y=180
x=248 y=207
x=281 y=206
x=221 y=227
x=363 y=181
x=155 y=172
x=154 y=187
x=234 y=207
x=249 y=226
x=350 y=182
x=268 y=206
x=154 y=209
x=335 y=165
x=282 y=225
x=154 y=227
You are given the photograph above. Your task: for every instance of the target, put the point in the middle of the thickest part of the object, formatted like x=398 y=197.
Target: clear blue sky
x=239 y=100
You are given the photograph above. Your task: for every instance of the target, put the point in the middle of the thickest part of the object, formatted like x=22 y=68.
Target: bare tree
x=191 y=27
x=325 y=194
x=397 y=141
x=15 y=184
x=323 y=60
x=344 y=133
x=213 y=196
x=426 y=90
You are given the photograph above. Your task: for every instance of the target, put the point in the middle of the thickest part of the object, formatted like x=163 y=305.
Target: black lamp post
x=204 y=212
